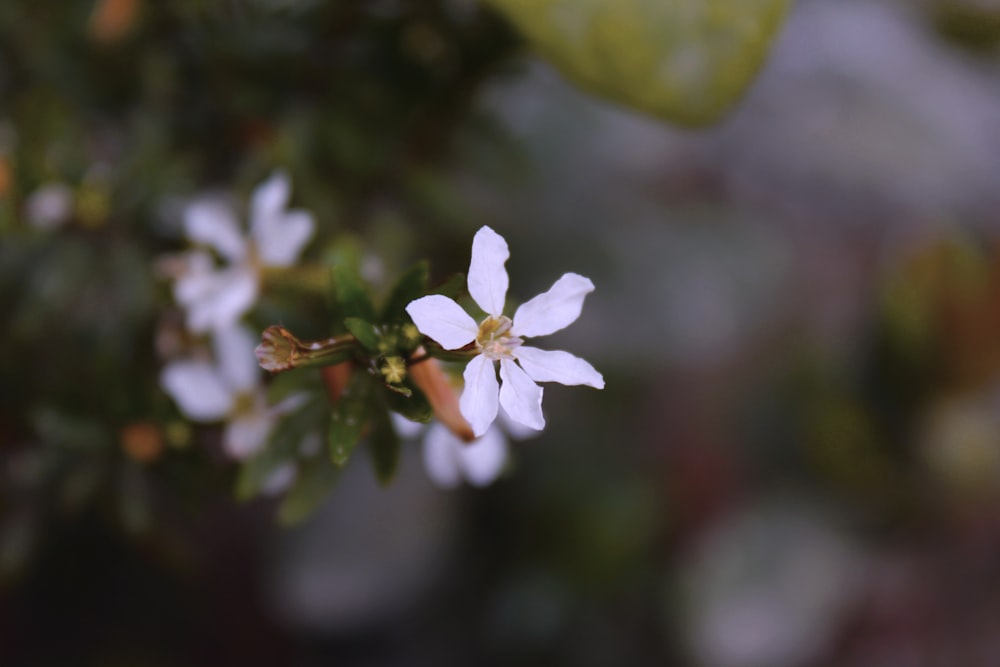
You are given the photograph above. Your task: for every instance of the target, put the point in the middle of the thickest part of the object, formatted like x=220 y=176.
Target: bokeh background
x=796 y=460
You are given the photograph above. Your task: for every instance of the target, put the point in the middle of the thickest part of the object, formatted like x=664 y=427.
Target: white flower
x=500 y=338
x=228 y=390
x=449 y=460
x=216 y=298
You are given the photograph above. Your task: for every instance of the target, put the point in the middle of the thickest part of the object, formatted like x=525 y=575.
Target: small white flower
x=216 y=298
x=228 y=390
x=500 y=338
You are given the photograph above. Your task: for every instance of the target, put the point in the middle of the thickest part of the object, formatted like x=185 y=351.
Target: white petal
x=406 y=429
x=269 y=199
x=557 y=366
x=553 y=310
x=443 y=320
x=478 y=402
x=223 y=298
x=516 y=430
x=520 y=397
x=280 y=242
x=441 y=456
x=482 y=461
x=212 y=223
x=197 y=389
x=487 y=275
x=234 y=351
x=247 y=434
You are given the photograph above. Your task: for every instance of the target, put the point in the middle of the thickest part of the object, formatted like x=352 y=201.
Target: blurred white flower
x=229 y=390
x=215 y=298
x=449 y=460
x=49 y=206
x=499 y=338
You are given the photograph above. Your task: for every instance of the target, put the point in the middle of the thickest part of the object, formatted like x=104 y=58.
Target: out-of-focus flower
x=229 y=390
x=499 y=338
x=216 y=298
x=449 y=460
x=49 y=206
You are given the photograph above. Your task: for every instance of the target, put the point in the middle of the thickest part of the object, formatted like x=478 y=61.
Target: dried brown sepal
x=280 y=350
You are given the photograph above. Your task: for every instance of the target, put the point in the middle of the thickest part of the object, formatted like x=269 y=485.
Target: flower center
x=494 y=339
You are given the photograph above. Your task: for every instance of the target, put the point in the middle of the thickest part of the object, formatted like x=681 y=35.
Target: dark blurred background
x=796 y=460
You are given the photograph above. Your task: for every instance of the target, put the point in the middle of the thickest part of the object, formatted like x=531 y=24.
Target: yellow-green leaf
x=687 y=61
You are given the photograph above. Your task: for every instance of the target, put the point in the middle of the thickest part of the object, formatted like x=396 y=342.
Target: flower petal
x=520 y=396
x=443 y=320
x=280 y=242
x=221 y=298
x=245 y=435
x=479 y=398
x=482 y=461
x=234 y=352
x=197 y=389
x=405 y=428
x=279 y=479
x=487 y=275
x=515 y=430
x=553 y=310
x=212 y=223
x=441 y=457
x=557 y=366
x=269 y=199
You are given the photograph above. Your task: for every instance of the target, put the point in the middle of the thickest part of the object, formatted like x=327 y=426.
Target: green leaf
x=384 y=448
x=414 y=407
x=282 y=448
x=452 y=288
x=349 y=417
x=316 y=478
x=685 y=61
x=412 y=285
x=350 y=295
x=364 y=331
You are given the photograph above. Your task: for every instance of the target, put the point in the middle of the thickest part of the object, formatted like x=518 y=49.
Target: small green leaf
x=365 y=333
x=384 y=447
x=687 y=62
x=316 y=478
x=283 y=447
x=414 y=407
x=412 y=285
x=350 y=296
x=452 y=288
x=349 y=417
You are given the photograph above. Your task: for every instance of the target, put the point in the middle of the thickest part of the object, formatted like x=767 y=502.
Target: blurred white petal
x=479 y=400
x=197 y=389
x=482 y=461
x=405 y=428
x=520 y=396
x=268 y=200
x=234 y=352
x=487 y=276
x=221 y=299
x=280 y=241
x=441 y=457
x=557 y=366
x=553 y=310
x=516 y=430
x=443 y=320
x=247 y=433
x=212 y=223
